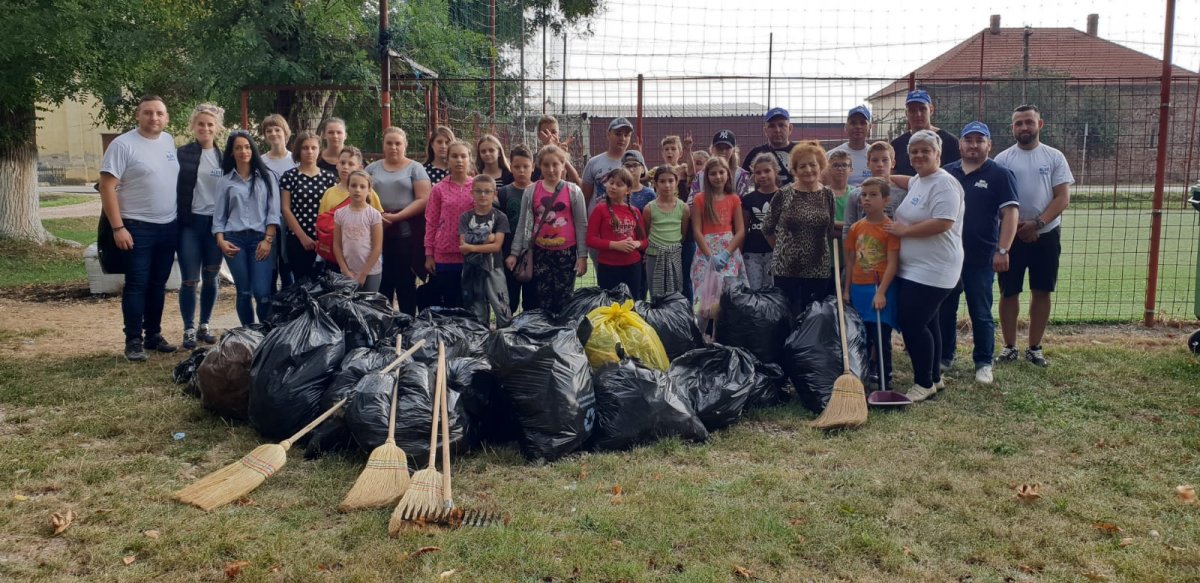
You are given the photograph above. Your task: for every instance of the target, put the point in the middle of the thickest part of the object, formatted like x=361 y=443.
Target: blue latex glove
x=720 y=260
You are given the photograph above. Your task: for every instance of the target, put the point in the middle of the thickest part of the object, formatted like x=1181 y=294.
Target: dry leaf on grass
x=743 y=572
x=151 y=534
x=128 y=560
x=424 y=551
x=1106 y=527
x=20 y=497
x=583 y=470
x=1029 y=570
x=1185 y=494
x=617 y=494
x=234 y=570
x=1126 y=542
x=1095 y=576
x=60 y=521
x=447 y=574
x=1029 y=492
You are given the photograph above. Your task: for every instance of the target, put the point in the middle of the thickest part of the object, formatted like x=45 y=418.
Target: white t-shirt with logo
x=208 y=180
x=1038 y=171
x=147 y=171
x=934 y=261
x=860 y=172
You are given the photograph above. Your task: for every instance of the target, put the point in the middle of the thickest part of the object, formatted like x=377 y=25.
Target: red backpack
x=325 y=228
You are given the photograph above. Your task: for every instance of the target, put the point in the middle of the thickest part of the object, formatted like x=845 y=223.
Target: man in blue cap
x=598 y=168
x=918 y=109
x=777 y=127
x=858 y=130
x=989 y=226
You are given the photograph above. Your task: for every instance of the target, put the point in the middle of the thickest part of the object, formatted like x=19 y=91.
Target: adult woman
x=196 y=195
x=403 y=188
x=437 y=154
x=245 y=222
x=800 y=225
x=300 y=190
x=333 y=132
x=929 y=224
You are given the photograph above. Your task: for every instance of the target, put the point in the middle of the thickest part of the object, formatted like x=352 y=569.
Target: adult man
x=989 y=225
x=858 y=129
x=777 y=127
x=1043 y=186
x=137 y=190
x=597 y=169
x=918 y=109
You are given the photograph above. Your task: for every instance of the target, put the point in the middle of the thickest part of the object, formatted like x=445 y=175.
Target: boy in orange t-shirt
x=873 y=256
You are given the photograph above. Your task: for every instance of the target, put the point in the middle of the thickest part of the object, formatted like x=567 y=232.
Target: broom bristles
x=234 y=480
x=847 y=406
x=382 y=483
x=422 y=499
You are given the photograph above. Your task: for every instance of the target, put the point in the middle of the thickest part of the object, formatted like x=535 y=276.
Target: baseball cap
x=976 y=127
x=775 y=112
x=918 y=96
x=619 y=123
x=724 y=137
x=860 y=110
x=633 y=155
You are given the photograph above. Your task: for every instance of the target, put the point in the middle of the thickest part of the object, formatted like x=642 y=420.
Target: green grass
x=52 y=200
x=82 y=230
x=25 y=264
x=925 y=494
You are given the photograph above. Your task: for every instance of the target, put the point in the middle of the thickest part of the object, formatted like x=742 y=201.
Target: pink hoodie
x=447 y=202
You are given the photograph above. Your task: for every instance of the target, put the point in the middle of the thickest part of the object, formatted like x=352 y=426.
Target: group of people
x=919 y=223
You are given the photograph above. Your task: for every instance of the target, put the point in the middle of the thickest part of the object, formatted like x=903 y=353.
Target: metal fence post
x=1160 y=167
x=640 y=101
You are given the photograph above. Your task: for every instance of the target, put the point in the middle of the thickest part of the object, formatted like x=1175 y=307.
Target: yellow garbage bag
x=618 y=323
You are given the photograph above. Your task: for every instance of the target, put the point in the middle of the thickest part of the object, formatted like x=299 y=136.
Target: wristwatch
x=1002 y=250
x=1040 y=223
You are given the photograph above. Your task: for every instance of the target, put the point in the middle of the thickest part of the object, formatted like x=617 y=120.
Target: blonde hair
x=546 y=120
x=710 y=213
x=551 y=149
x=501 y=159
x=882 y=146
x=671 y=140
x=395 y=130
x=808 y=148
x=275 y=121
x=216 y=111
x=361 y=173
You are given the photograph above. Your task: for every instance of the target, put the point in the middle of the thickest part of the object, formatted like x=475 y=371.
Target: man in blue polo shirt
x=989 y=226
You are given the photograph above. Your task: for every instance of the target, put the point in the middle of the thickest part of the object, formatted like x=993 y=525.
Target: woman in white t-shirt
x=196 y=194
x=929 y=224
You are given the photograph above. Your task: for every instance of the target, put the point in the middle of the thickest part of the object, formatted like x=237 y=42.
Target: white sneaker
x=918 y=393
x=983 y=374
x=941 y=384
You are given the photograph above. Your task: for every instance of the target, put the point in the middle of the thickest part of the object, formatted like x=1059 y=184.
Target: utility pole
x=1025 y=77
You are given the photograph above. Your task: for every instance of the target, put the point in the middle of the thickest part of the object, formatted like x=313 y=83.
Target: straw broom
x=424 y=494
x=847 y=406
x=385 y=478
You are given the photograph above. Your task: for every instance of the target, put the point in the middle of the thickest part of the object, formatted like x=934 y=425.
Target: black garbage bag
x=545 y=374
x=536 y=318
x=755 y=319
x=770 y=386
x=813 y=352
x=223 y=378
x=185 y=372
x=370 y=403
x=718 y=380
x=332 y=435
x=289 y=303
x=462 y=333
x=290 y=371
x=671 y=316
x=636 y=404
x=488 y=408
x=365 y=318
x=586 y=299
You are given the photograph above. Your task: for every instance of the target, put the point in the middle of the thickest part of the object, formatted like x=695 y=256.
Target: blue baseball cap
x=619 y=123
x=860 y=110
x=775 y=112
x=976 y=127
x=918 y=96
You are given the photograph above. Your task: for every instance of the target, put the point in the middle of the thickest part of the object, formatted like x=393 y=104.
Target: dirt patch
x=75 y=292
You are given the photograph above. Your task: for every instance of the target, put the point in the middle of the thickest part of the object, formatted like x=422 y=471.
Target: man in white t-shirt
x=137 y=191
x=858 y=129
x=598 y=167
x=1043 y=190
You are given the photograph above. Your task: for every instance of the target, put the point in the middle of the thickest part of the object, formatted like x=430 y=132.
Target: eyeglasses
x=841 y=166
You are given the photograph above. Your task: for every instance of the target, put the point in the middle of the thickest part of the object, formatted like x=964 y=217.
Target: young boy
x=756 y=249
x=636 y=165
x=481 y=232
x=841 y=165
x=881 y=158
x=547 y=133
x=677 y=152
x=873 y=256
x=521 y=163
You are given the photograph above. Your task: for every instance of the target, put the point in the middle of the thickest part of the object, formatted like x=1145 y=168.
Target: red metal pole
x=1160 y=166
x=640 y=109
x=982 y=44
x=385 y=67
x=435 y=108
x=245 y=109
x=912 y=80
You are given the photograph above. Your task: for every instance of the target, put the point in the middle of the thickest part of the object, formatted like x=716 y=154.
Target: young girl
x=666 y=220
x=615 y=231
x=724 y=146
x=448 y=201
x=719 y=229
x=755 y=206
x=358 y=235
x=275 y=131
x=510 y=203
x=349 y=161
x=553 y=224
x=301 y=190
x=490 y=160
x=437 y=151
x=333 y=131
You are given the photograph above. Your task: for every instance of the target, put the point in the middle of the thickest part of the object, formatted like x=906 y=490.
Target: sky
x=828 y=43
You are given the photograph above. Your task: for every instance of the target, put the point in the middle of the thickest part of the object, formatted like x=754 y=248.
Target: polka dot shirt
x=436 y=175
x=306 y=194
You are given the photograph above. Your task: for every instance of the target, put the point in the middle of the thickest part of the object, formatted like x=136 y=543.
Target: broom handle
x=837 y=285
x=391 y=435
x=447 y=498
x=437 y=403
x=879 y=335
x=402 y=357
x=287 y=443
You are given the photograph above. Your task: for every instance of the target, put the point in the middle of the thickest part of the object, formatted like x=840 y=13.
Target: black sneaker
x=1036 y=356
x=205 y=335
x=160 y=344
x=189 y=339
x=1009 y=354
x=134 y=351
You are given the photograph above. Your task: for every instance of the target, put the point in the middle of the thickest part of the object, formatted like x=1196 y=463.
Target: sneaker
x=189 y=339
x=1009 y=354
x=941 y=384
x=134 y=351
x=918 y=393
x=1036 y=356
x=983 y=374
x=160 y=344
x=948 y=364
x=205 y=335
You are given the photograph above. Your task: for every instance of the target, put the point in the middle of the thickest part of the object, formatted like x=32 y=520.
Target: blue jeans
x=149 y=266
x=688 y=254
x=976 y=283
x=251 y=277
x=199 y=262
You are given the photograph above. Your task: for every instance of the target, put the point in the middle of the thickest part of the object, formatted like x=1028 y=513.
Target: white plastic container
x=112 y=283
